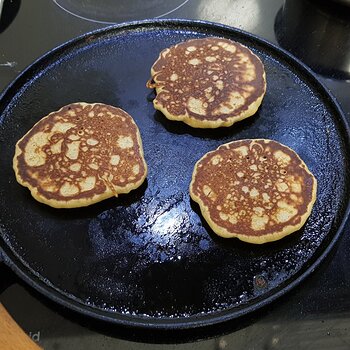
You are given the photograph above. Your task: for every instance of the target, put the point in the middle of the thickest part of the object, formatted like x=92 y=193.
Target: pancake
x=208 y=83
x=256 y=190
x=80 y=155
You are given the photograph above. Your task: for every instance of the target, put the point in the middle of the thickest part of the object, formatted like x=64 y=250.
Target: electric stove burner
x=111 y=11
x=8 y=12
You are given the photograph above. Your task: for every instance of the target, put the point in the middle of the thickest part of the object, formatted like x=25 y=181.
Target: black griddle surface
x=148 y=259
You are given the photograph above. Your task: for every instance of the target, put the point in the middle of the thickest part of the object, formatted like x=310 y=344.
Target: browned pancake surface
x=256 y=190
x=208 y=83
x=80 y=155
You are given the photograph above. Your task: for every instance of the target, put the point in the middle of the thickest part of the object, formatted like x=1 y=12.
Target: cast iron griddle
x=148 y=259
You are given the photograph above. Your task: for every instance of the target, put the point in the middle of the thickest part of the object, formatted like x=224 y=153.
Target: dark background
x=313 y=316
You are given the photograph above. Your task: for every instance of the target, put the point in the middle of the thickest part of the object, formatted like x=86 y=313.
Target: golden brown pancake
x=256 y=190
x=80 y=155
x=208 y=83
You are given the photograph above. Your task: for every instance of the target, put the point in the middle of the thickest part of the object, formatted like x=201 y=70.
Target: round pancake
x=256 y=190
x=80 y=155
x=208 y=83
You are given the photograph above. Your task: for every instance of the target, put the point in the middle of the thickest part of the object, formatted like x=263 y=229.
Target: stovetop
x=315 y=315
